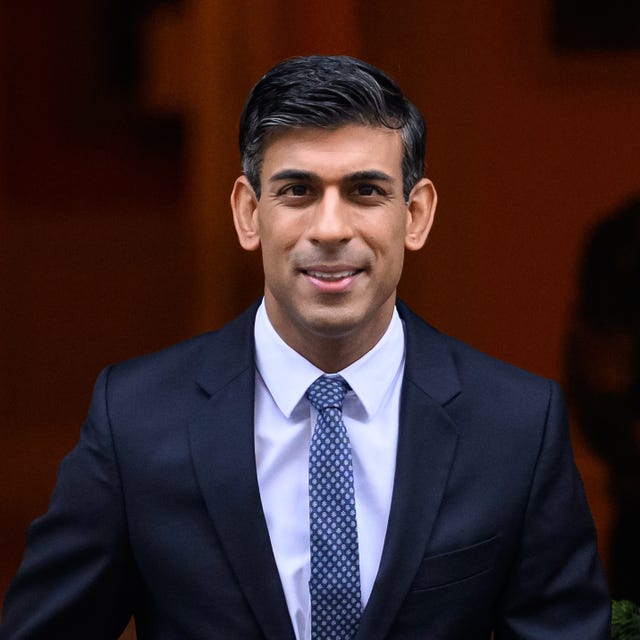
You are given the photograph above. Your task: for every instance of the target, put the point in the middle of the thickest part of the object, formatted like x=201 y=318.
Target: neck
x=333 y=350
x=334 y=354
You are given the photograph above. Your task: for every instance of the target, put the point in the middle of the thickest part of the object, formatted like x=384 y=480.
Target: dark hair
x=328 y=92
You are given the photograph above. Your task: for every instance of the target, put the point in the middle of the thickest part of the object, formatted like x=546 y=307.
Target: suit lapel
x=426 y=450
x=222 y=449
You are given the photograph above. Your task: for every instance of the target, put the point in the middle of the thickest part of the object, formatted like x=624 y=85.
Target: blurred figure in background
x=603 y=371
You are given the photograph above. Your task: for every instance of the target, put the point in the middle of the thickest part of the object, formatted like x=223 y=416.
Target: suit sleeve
x=76 y=576
x=557 y=588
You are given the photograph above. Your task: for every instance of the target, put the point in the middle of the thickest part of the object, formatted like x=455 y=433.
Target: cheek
x=277 y=251
x=280 y=233
x=387 y=241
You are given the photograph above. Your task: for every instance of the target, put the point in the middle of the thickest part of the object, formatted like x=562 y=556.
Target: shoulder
x=495 y=408
x=184 y=368
x=448 y=367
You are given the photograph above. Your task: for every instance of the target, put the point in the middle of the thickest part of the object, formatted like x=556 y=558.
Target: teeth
x=338 y=275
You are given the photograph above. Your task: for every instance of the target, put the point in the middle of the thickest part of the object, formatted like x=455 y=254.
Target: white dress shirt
x=284 y=421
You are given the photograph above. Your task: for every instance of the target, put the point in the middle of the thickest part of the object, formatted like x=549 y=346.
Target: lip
x=331 y=279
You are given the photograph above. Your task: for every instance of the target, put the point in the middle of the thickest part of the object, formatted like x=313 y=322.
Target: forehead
x=335 y=152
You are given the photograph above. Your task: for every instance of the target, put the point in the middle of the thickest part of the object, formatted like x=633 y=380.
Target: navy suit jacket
x=157 y=511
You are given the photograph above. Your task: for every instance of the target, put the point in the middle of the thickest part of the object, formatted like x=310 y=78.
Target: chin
x=332 y=323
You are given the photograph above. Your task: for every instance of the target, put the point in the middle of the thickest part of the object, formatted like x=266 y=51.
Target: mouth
x=331 y=276
x=331 y=280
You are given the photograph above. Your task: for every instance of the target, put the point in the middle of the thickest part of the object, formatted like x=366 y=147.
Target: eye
x=295 y=191
x=295 y=194
x=366 y=190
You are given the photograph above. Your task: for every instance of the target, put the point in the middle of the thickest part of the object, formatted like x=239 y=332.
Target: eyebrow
x=292 y=174
x=298 y=174
x=368 y=175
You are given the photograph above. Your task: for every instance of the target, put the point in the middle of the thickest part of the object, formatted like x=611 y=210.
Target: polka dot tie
x=334 y=585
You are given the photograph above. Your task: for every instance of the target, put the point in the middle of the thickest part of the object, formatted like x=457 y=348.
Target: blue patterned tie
x=335 y=568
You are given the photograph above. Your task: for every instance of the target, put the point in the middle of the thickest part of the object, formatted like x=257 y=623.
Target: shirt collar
x=287 y=375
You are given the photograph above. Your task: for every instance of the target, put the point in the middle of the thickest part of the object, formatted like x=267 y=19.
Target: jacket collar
x=429 y=360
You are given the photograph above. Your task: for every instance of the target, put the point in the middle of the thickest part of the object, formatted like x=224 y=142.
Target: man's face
x=333 y=226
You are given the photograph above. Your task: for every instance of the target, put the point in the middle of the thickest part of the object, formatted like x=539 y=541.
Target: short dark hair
x=328 y=92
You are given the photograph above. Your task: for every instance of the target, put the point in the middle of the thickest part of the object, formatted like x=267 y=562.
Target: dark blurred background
x=118 y=123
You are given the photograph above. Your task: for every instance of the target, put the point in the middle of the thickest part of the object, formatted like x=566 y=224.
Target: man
x=327 y=465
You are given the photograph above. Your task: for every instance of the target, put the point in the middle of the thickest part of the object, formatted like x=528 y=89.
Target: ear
x=244 y=205
x=421 y=209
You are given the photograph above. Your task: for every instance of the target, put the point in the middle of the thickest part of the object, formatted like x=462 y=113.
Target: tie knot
x=327 y=392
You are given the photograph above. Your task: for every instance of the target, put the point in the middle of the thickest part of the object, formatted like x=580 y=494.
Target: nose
x=331 y=222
